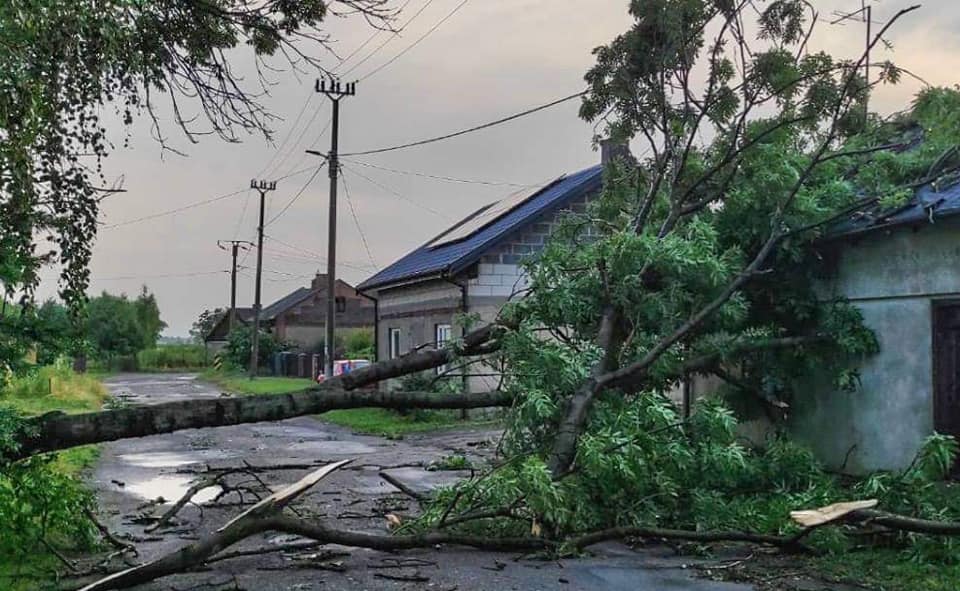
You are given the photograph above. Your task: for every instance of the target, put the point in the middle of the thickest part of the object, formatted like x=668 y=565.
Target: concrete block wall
x=893 y=278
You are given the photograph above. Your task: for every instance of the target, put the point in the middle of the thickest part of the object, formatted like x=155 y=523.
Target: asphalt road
x=131 y=474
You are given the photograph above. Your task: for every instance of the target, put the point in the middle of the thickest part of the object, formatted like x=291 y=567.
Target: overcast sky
x=490 y=59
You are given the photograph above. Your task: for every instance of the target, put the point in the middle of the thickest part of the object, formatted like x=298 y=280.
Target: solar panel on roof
x=486 y=217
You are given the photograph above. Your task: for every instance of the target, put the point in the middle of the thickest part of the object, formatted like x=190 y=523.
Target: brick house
x=299 y=318
x=472 y=267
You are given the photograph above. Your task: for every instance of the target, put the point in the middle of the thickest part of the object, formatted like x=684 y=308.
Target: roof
x=284 y=303
x=452 y=257
x=928 y=203
x=244 y=315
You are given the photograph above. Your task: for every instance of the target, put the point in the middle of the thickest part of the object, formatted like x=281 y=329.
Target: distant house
x=299 y=318
x=216 y=339
x=472 y=267
x=902 y=270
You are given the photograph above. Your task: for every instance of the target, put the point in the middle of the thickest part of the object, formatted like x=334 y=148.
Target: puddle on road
x=172 y=459
x=171 y=488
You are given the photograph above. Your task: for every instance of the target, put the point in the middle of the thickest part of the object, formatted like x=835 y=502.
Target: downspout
x=376 y=323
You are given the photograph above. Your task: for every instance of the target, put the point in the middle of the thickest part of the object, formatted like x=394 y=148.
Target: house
x=472 y=267
x=216 y=339
x=299 y=318
x=902 y=270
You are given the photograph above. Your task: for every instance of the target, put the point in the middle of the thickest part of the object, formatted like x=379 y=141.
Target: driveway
x=133 y=473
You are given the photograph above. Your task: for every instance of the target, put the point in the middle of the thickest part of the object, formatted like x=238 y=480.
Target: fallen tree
x=268 y=516
x=55 y=431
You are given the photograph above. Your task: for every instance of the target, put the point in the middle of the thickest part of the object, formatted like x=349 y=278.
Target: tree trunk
x=55 y=431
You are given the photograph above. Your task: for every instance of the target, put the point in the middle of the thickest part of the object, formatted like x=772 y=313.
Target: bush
x=239 y=343
x=359 y=344
x=42 y=499
x=172 y=357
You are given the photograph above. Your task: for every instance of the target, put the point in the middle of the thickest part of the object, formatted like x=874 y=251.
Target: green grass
x=50 y=389
x=889 y=570
x=372 y=421
x=241 y=384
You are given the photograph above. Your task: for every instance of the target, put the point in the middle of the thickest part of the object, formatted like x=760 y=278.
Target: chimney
x=611 y=150
x=319 y=282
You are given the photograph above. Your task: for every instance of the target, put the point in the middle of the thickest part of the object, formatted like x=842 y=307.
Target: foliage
x=69 y=67
x=701 y=258
x=118 y=326
x=451 y=462
x=167 y=357
x=358 y=344
x=205 y=323
x=42 y=499
x=240 y=343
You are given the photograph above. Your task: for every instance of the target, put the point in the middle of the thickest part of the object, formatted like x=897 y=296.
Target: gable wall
x=893 y=279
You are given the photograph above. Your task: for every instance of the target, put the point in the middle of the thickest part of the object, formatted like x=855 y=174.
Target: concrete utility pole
x=262 y=187
x=335 y=91
x=236 y=245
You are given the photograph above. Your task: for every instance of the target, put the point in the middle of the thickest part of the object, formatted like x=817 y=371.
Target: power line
x=470 y=130
x=441 y=177
x=356 y=220
x=286 y=138
x=195 y=204
x=173 y=211
x=243 y=214
x=317 y=256
x=282 y=256
x=397 y=194
x=369 y=39
x=417 y=42
x=388 y=39
x=162 y=276
x=295 y=197
x=313 y=146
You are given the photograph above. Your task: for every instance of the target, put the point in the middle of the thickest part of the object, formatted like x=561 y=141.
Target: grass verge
x=371 y=421
x=48 y=389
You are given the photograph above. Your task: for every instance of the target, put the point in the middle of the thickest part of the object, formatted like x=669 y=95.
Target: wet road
x=132 y=474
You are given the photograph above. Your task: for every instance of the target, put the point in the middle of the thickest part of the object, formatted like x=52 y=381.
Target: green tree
x=55 y=335
x=205 y=323
x=148 y=316
x=113 y=327
x=239 y=343
x=699 y=258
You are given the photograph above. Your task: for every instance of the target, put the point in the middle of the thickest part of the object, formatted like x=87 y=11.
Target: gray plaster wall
x=893 y=278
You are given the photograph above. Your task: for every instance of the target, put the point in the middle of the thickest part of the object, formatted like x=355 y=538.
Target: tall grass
x=53 y=387
x=167 y=357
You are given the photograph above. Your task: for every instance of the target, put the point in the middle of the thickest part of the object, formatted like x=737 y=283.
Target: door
x=946 y=369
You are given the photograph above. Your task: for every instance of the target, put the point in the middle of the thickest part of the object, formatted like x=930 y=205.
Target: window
x=442 y=334
x=341 y=305
x=394 y=334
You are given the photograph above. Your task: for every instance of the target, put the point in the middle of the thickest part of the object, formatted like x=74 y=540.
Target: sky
x=491 y=58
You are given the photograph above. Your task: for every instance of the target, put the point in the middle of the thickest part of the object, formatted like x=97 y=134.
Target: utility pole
x=263 y=187
x=335 y=91
x=236 y=245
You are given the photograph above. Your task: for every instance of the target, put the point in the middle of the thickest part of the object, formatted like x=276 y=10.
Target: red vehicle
x=343 y=366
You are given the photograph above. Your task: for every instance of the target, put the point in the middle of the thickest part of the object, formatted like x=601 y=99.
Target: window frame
x=439 y=343
x=393 y=343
